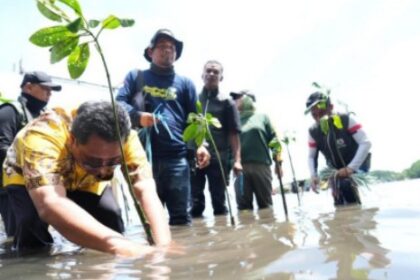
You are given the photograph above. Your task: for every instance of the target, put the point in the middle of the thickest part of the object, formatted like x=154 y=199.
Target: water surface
x=378 y=240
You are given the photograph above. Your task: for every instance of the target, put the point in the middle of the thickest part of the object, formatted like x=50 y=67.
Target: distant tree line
x=412 y=172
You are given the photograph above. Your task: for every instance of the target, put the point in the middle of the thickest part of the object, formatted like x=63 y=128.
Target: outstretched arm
x=145 y=191
x=78 y=226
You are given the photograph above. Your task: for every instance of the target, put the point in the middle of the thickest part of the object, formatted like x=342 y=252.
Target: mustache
x=104 y=177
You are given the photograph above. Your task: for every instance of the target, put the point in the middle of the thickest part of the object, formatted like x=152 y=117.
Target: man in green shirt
x=256 y=133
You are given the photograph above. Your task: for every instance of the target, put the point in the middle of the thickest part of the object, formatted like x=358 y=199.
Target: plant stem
x=283 y=196
x=293 y=173
x=143 y=220
x=222 y=170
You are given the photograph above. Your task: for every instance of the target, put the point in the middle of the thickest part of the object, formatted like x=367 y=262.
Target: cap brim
x=178 y=46
x=236 y=95
x=308 y=109
x=52 y=86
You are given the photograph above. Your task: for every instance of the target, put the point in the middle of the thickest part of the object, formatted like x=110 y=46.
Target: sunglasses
x=90 y=163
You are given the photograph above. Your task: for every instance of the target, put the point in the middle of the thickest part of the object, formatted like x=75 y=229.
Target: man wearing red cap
x=159 y=100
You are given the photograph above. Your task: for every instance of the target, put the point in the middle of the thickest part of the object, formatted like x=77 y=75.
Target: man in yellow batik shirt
x=58 y=172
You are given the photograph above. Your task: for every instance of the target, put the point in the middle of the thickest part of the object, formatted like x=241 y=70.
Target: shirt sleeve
x=135 y=156
x=312 y=156
x=124 y=97
x=234 y=122
x=42 y=153
x=8 y=129
x=192 y=97
x=363 y=142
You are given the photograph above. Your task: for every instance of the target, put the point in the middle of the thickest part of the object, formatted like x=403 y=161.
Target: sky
x=366 y=51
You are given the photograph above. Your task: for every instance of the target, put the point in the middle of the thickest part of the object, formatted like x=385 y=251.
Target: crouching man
x=57 y=173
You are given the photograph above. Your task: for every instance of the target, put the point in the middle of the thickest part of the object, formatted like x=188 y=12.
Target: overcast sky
x=366 y=51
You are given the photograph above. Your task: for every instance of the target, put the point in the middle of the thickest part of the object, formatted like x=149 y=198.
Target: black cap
x=239 y=94
x=316 y=98
x=168 y=34
x=38 y=77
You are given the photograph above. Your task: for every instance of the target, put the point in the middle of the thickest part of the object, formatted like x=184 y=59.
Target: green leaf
x=93 y=23
x=199 y=107
x=315 y=84
x=193 y=117
x=50 y=36
x=275 y=145
x=78 y=60
x=215 y=122
x=111 y=22
x=74 y=4
x=63 y=49
x=76 y=25
x=47 y=12
x=190 y=132
x=126 y=22
x=199 y=140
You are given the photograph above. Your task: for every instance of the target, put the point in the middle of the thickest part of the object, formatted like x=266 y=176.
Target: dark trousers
x=256 y=181
x=217 y=189
x=6 y=214
x=345 y=191
x=172 y=178
x=31 y=231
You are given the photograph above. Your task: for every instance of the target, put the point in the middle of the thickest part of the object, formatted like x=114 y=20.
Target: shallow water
x=376 y=241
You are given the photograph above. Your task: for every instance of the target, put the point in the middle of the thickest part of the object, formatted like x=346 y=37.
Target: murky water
x=376 y=241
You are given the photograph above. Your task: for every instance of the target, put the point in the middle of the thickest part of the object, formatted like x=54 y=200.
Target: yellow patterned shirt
x=40 y=155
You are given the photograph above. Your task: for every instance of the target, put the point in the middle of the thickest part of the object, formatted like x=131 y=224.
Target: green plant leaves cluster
x=198 y=128
x=275 y=146
x=72 y=37
x=322 y=89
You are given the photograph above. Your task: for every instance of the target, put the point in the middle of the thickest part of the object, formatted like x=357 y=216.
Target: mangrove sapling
x=287 y=139
x=276 y=148
x=71 y=38
x=198 y=130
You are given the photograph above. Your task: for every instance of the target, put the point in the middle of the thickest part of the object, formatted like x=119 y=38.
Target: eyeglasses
x=163 y=47
x=96 y=163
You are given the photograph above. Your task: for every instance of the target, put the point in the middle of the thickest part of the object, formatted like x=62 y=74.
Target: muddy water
x=376 y=241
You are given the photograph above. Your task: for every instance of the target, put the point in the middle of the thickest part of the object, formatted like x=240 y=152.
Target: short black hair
x=97 y=117
x=213 y=61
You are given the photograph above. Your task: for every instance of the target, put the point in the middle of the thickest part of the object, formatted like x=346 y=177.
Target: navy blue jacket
x=173 y=96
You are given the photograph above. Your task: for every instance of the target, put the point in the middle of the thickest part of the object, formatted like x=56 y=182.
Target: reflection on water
x=347 y=239
x=318 y=242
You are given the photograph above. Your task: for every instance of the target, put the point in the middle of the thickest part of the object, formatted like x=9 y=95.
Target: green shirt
x=256 y=133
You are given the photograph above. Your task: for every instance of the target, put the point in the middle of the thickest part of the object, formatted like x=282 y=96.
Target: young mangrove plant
x=198 y=131
x=288 y=138
x=276 y=148
x=72 y=37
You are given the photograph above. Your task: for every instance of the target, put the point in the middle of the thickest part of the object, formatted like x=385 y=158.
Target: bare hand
x=315 y=184
x=173 y=248
x=129 y=249
x=276 y=170
x=344 y=172
x=147 y=119
x=203 y=157
x=237 y=168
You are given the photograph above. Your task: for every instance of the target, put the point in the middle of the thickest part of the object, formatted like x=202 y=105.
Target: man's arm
x=8 y=129
x=145 y=191
x=362 y=152
x=359 y=135
x=312 y=163
x=78 y=226
x=235 y=143
x=125 y=98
